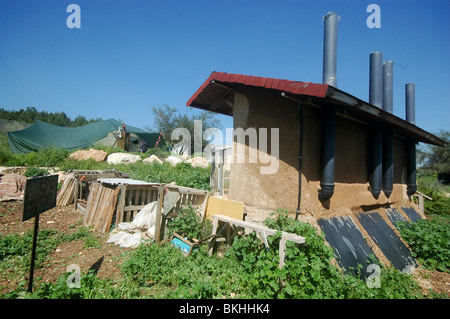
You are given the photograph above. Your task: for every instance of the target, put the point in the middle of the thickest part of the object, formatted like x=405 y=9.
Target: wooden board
x=219 y=206
x=100 y=208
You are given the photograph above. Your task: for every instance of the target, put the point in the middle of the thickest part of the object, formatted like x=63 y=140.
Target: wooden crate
x=83 y=181
x=132 y=196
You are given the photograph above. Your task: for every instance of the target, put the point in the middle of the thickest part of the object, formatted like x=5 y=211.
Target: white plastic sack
x=116 y=237
x=142 y=218
x=145 y=218
x=130 y=240
x=125 y=226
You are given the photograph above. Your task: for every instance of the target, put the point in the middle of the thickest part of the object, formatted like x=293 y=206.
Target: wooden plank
x=96 y=220
x=158 y=215
x=92 y=200
x=259 y=228
x=121 y=205
x=134 y=208
x=226 y=207
x=103 y=212
x=110 y=212
x=76 y=191
x=281 y=251
x=81 y=209
x=98 y=195
x=89 y=203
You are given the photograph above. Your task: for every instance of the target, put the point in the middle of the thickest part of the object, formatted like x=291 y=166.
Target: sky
x=128 y=56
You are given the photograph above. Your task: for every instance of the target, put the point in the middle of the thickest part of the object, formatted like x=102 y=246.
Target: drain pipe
x=388 y=105
x=326 y=190
x=411 y=184
x=376 y=98
x=300 y=158
x=328 y=152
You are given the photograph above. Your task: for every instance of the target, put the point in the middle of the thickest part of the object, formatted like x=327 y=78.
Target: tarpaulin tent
x=41 y=135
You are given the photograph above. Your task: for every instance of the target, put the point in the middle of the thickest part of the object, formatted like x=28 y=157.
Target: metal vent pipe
x=376 y=79
x=411 y=183
x=327 y=166
x=388 y=105
x=376 y=136
x=388 y=86
x=410 y=95
x=328 y=154
x=330 y=49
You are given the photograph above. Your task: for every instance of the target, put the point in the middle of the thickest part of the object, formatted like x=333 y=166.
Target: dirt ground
x=106 y=259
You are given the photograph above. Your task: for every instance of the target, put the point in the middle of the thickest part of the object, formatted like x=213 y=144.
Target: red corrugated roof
x=214 y=97
x=294 y=87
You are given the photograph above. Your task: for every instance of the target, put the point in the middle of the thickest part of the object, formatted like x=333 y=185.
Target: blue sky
x=131 y=55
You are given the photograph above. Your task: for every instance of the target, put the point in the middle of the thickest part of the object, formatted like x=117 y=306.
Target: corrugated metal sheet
x=219 y=86
x=294 y=87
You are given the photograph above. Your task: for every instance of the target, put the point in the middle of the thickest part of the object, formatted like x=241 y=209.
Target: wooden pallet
x=100 y=207
x=66 y=193
x=108 y=204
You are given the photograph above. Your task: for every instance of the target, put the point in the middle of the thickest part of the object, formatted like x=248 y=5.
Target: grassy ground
x=246 y=270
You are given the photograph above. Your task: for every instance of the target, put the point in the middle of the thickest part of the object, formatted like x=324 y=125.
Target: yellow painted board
x=220 y=206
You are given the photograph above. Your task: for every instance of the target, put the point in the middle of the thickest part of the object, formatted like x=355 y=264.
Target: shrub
x=429 y=240
x=187 y=222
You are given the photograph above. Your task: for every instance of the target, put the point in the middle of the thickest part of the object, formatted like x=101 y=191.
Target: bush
x=429 y=240
x=48 y=157
x=187 y=222
x=182 y=174
x=429 y=185
x=308 y=270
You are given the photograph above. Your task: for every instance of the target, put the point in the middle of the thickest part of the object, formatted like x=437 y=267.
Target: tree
x=167 y=119
x=436 y=158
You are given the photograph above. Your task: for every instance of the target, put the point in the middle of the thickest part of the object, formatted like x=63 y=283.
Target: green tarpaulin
x=41 y=135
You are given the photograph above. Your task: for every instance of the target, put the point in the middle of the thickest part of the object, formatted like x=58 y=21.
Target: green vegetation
x=246 y=270
x=182 y=174
x=429 y=240
x=429 y=185
x=30 y=115
x=15 y=249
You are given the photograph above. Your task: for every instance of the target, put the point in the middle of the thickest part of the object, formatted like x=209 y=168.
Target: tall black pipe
x=300 y=158
x=376 y=160
x=328 y=152
x=376 y=136
x=411 y=183
x=328 y=113
x=388 y=105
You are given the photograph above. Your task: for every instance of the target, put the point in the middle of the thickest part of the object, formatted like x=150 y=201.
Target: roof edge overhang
x=208 y=98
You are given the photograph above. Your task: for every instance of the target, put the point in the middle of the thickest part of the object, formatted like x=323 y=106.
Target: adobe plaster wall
x=261 y=109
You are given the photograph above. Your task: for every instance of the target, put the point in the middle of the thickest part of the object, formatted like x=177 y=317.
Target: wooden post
x=76 y=190
x=33 y=253
x=158 y=215
x=281 y=251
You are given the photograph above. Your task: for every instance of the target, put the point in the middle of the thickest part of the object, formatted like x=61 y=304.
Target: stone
x=173 y=160
x=96 y=155
x=118 y=158
x=198 y=162
x=152 y=158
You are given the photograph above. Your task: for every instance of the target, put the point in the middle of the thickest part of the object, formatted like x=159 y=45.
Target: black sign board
x=40 y=195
